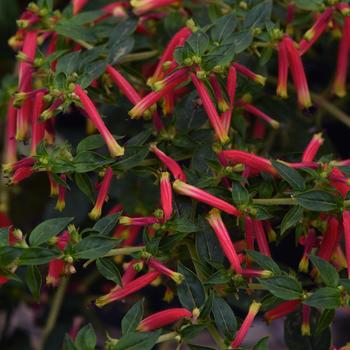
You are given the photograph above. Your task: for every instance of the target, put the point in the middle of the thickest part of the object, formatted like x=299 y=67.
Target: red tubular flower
x=130 y=273
x=177 y=40
x=22 y=163
x=78 y=5
x=249 y=232
x=166 y=195
x=257 y=273
x=339 y=181
x=346 y=227
x=21 y=174
x=158 y=266
x=259 y=130
x=194 y=192
x=253 y=310
x=163 y=318
x=271 y=233
x=282 y=70
x=311 y=36
x=258 y=113
x=309 y=243
x=114 y=148
x=210 y=109
x=261 y=238
x=330 y=239
x=149 y=100
x=221 y=103
x=10 y=152
x=248 y=159
x=339 y=85
x=170 y=163
x=142 y=6
x=49 y=113
x=232 y=84
x=128 y=233
x=215 y=221
x=61 y=202
x=298 y=74
x=95 y=213
x=132 y=287
x=53 y=185
x=281 y=310
x=140 y=221
x=312 y=148
x=305 y=326
x=250 y=74
x=38 y=129
x=126 y=88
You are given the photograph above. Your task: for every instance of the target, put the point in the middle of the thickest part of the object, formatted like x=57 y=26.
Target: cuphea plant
x=193 y=198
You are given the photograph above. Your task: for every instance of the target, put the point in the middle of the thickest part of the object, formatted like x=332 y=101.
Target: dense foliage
x=201 y=169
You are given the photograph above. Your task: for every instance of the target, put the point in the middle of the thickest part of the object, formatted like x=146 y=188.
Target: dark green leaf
x=109 y=270
x=292 y=217
x=240 y=195
x=258 y=15
x=37 y=256
x=34 y=280
x=89 y=161
x=4 y=236
x=85 y=185
x=223 y=27
x=130 y=161
x=106 y=224
x=283 y=287
x=324 y=321
x=265 y=262
x=48 y=229
x=317 y=200
x=93 y=247
x=68 y=63
x=86 y=338
x=8 y=255
x=132 y=318
x=138 y=341
x=90 y=143
x=198 y=42
x=290 y=175
x=324 y=298
x=327 y=272
x=68 y=343
x=310 y=5
x=262 y=344
x=224 y=317
x=182 y=225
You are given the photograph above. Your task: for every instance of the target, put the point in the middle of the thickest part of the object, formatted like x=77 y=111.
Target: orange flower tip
x=214 y=212
x=282 y=93
x=339 y=90
x=20 y=135
x=125 y=220
x=260 y=79
x=60 y=205
x=52 y=281
x=266 y=274
x=305 y=329
x=275 y=124
x=95 y=213
x=304 y=264
x=177 y=277
x=102 y=301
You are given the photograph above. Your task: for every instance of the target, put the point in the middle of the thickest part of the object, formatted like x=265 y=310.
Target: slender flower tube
x=346 y=228
x=249 y=232
x=220 y=100
x=24 y=162
x=309 y=243
x=257 y=273
x=298 y=73
x=23 y=120
x=177 y=40
x=21 y=174
x=271 y=233
x=305 y=326
x=156 y=265
x=49 y=112
x=126 y=88
x=312 y=148
x=114 y=148
x=163 y=318
x=231 y=84
x=282 y=70
x=311 y=36
x=53 y=185
x=132 y=287
x=170 y=163
x=248 y=159
x=61 y=202
x=194 y=192
x=149 y=100
x=242 y=332
x=258 y=113
x=250 y=74
x=140 y=221
x=142 y=6
x=215 y=221
x=10 y=145
x=259 y=130
x=330 y=239
x=38 y=129
x=339 y=181
x=166 y=195
x=95 y=213
x=261 y=238
x=281 y=310
x=78 y=5
x=210 y=109
x=128 y=233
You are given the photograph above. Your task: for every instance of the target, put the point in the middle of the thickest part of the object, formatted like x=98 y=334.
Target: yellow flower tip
x=305 y=329
x=214 y=212
x=177 y=184
x=304 y=264
x=102 y=301
x=157 y=282
x=51 y=281
x=282 y=92
x=309 y=35
x=116 y=150
x=275 y=124
x=339 y=90
x=254 y=307
x=95 y=214
x=168 y=296
x=158 y=85
x=260 y=79
x=7 y=167
x=60 y=205
x=125 y=220
x=266 y=274
x=196 y=313
x=271 y=235
x=223 y=106
x=177 y=277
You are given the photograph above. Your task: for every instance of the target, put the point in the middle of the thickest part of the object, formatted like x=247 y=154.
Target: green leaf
x=262 y=344
x=224 y=317
x=223 y=27
x=86 y=338
x=68 y=63
x=106 y=224
x=265 y=262
x=199 y=347
x=9 y=254
x=198 y=42
x=34 y=280
x=47 y=229
x=130 y=161
x=310 y=5
x=109 y=270
x=240 y=41
x=345 y=282
x=324 y=298
x=240 y=195
x=68 y=343
x=4 y=236
x=328 y=273
x=37 y=256
x=324 y=321
x=90 y=143
x=181 y=225
x=258 y=15
x=94 y=246
x=92 y=72
x=283 y=287
x=138 y=341
x=132 y=318
x=190 y=292
x=290 y=175
x=89 y=161
x=85 y=185
x=292 y=217
x=317 y=200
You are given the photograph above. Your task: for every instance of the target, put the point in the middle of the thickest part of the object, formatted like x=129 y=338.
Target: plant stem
x=166 y=337
x=275 y=201
x=138 y=56
x=54 y=311
x=216 y=336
